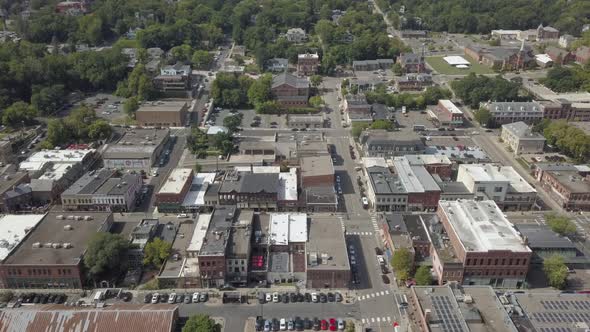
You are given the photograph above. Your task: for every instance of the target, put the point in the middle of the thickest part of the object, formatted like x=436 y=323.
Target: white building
x=14 y=228
x=502 y=184
x=520 y=138
x=296 y=35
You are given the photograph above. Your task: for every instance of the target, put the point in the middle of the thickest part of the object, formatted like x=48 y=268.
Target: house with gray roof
x=248 y=190
x=382 y=143
x=506 y=112
x=277 y=65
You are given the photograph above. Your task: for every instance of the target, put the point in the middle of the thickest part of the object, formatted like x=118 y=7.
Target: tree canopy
x=561 y=225
x=201 y=323
x=231 y=90
x=555 y=271
x=474 y=89
x=104 y=254
x=566 y=79
x=156 y=252
x=402 y=263
x=569 y=139
x=18 y=114
x=423 y=276
x=232 y=122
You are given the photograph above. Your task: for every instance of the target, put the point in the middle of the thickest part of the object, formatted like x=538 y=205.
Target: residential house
x=277 y=65
x=566 y=40
x=290 y=91
x=413 y=82
x=411 y=62
x=308 y=64
x=296 y=35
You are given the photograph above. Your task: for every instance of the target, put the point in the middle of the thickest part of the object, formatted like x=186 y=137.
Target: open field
x=442 y=67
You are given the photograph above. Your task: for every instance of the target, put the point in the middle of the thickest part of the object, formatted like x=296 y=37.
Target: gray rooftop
x=356 y=100
x=513 y=106
x=292 y=80
x=246 y=182
x=522 y=131
x=542 y=237
x=136 y=143
x=415 y=179
x=380 y=136
x=102 y=182
x=217 y=237
x=316 y=166
x=385 y=182
x=279 y=262
x=321 y=195
x=551 y=311
x=7 y=181
x=327 y=243
x=54 y=228
x=572 y=181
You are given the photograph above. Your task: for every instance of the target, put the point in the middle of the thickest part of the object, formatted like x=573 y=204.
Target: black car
x=384 y=269
x=316 y=324
x=331 y=297
x=385 y=279
x=275 y=324
x=180 y=298
x=164 y=298
x=61 y=298
x=378 y=251
x=307 y=323
x=298 y=322
x=307 y=297
x=323 y=298
x=285 y=298
x=44 y=298
x=147 y=298
x=300 y=297
x=51 y=298
x=293 y=297
x=37 y=299
x=27 y=298
x=259 y=323
x=127 y=296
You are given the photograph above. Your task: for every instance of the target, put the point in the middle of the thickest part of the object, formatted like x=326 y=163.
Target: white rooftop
x=374 y=161
x=308 y=56
x=56 y=172
x=59 y=156
x=481 y=226
x=288 y=185
x=543 y=58
x=427 y=159
x=199 y=233
x=258 y=169
x=196 y=195
x=456 y=60
x=288 y=227
x=450 y=106
x=415 y=179
x=493 y=173
x=213 y=130
x=175 y=181
x=13 y=228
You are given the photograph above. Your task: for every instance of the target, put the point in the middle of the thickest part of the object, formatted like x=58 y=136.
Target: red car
x=333 y=326
x=324 y=325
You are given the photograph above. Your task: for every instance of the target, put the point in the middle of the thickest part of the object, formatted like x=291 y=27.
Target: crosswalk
x=359 y=233
x=375 y=224
x=372 y=295
x=376 y=320
x=342 y=224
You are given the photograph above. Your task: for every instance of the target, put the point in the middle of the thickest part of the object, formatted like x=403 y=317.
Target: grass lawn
x=442 y=67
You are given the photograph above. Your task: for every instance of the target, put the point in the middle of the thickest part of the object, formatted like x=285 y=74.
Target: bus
x=419 y=127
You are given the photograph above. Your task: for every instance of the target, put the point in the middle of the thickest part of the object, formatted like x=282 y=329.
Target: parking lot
x=413 y=118
x=450 y=141
x=106 y=106
x=250 y=119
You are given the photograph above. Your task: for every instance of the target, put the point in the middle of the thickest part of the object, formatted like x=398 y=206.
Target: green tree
x=130 y=106
x=555 y=271
x=18 y=114
x=423 y=276
x=6 y=296
x=99 y=129
x=156 y=252
x=397 y=69
x=358 y=128
x=182 y=53
x=316 y=101
x=402 y=263
x=104 y=255
x=259 y=91
x=232 y=122
x=202 y=59
x=268 y=107
x=316 y=80
x=198 y=168
x=382 y=124
x=50 y=99
x=484 y=117
x=561 y=225
x=201 y=323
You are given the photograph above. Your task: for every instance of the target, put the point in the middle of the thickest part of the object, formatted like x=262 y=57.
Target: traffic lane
x=163 y=171
x=360 y=270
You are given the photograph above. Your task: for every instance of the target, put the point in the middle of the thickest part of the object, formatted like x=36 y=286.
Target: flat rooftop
x=136 y=144
x=196 y=241
x=174 y=263
x=239 y=241
x=118 y=317
x=326 y=248
x=7 y=181
x=216 y=239
x=449 y=311
x=161 y=106
x=176 y=181
x=70 y=230
x=542 y=237
x=481 y=226
x=288 y=185
x=316 y=166
x=550 y=311
x=286 y=228
x=572 y=181
x=14 y=228
x=59 y=156
x=415 y=179
x=449 y=105
x=384 y=182
x=200 y=183
x=522 y=131
x=427 y=159
x=493 y=173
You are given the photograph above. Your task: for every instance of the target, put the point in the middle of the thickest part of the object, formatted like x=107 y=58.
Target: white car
x=195 y=297
x=275 y=297
x=340 y=324
x=182 y=215
x=314 y=297
x=268 y=297
x=155 y=298
x=172 y=298
x=283 y=324
x=338 y=178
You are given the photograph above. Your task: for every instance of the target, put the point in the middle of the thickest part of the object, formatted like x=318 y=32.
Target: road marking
x=387 y=292
x=388 y=318
x=378 y=319
x=363 y=321
x=372 y=294
x=382 y=293
x=372 y=319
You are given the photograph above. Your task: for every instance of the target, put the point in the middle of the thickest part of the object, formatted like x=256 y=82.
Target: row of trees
x=483 y=16
x=566 y=79
x=569 y=139
x=402 y=265
x=80 y=126
x=410 y=100
x=474 y=89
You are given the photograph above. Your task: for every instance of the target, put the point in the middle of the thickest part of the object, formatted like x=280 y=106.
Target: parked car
x=203 y=297
x=172 y=298
x=338 y=297
x=196 y=297
x=155 y=298
x=268 y=297
x=324 y=325
x=187 y=299
x=340 y=324
x=275 y=297
x=314 y=297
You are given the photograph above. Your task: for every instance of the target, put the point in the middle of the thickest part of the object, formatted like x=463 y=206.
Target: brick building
x=501 y=58
x=212 y=256
x=171 y=195
x=490 y=249
x=434 y=163
x=569 y=187
x=327 y=256
x=411 y=62
x=447 y=114
x=308 y=64
x=51 y=253
x=250 y=190
x=317 y=171
x=162 y=114
x=509 y=112
x=560 y=56
x=290 y=91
